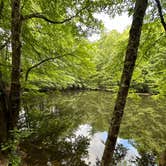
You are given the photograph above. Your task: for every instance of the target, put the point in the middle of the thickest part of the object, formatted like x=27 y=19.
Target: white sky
x=119 y=23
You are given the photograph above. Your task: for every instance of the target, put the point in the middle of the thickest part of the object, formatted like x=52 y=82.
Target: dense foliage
x=149 y=74
x=60 y=56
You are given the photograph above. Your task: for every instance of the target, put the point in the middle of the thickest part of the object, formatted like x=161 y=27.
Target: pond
x=70 y=128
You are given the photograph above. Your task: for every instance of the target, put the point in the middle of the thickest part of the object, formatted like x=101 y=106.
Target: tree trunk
x=3 y=160
x=10 y=103
x=3 y=112
x=129 y=63
x=162 y=159
x=16 y=60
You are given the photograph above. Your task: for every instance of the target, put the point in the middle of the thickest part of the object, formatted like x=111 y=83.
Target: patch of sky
x=98 y=139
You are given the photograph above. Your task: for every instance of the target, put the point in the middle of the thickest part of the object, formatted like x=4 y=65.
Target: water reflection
x=55 y=121
x=96 y=146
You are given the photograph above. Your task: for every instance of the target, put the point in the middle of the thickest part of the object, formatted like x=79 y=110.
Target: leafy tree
x=34 y=18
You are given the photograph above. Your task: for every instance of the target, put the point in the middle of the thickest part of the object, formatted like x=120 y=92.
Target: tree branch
x=41 y=16
x=41 y=62
x=160 y=13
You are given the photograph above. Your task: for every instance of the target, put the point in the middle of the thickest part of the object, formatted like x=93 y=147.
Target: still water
x=70 y=128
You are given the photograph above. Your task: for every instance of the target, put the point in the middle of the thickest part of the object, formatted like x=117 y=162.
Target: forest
x=66 y=100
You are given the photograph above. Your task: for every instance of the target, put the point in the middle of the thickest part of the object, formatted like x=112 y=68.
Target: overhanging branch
x=41 y=16
x=43 y=61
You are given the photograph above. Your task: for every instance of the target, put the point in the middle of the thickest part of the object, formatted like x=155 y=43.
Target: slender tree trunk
x=3 y=111
x=4 y=103
x=129 y=63
x=3 y=160
x=10 y=104
x=16 y=60
x=162 y=159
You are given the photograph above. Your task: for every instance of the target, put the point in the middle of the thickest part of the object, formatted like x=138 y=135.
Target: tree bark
x=129 y=63
x=162 y=159
x=3 y=112
x=4 y=125
x=16 y=61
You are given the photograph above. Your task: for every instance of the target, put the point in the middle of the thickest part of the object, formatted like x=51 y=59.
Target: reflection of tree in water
x=144 y=122
x=145 y=159
x=51 y=137
x=119 y=155
x=52 y=118
x=51 y=122
x=64 y=152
